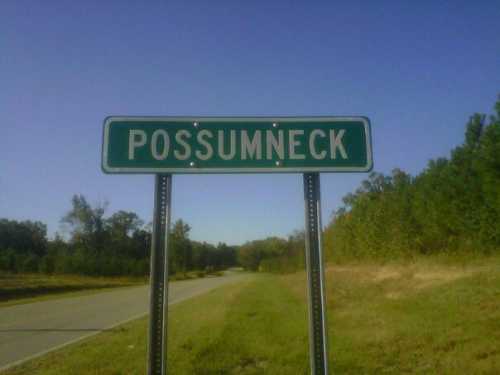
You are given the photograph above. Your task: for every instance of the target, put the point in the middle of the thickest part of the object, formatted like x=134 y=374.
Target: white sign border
x=197 y=170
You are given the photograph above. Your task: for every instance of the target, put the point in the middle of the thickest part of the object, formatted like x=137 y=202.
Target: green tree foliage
x=123 y=224
x=87 y=223
x=208 y=257
x=273 y=254
x=117 y=245
x=22 y=244
x=98 y=245
x=125 y=235
x=24 y=236
x=225 y=256
x=454 y=204
x=186 y=255
x=180 y=248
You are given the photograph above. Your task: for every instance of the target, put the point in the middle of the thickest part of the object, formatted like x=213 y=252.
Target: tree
x=87 y=223
x=180 y=256
x=22 y=244
x=454 y=204
x=125 y=237
x=269 y=254
x=124 y=223
x=25 y=237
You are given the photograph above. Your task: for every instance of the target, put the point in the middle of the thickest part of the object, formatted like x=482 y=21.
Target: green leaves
x=453 y=204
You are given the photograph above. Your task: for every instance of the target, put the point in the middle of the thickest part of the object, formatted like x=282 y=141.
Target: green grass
x=418 y=318
x=24 y=288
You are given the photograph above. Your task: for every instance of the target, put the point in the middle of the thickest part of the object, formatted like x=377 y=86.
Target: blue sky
x=418 y=70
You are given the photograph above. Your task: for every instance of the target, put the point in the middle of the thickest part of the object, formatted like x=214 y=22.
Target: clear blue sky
x=416 y=69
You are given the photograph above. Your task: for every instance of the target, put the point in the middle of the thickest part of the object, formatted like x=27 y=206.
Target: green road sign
x=236 y=145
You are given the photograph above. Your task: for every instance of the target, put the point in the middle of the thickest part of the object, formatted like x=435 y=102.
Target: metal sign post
x=318 y=339
x=159 y=276
x=167 y=145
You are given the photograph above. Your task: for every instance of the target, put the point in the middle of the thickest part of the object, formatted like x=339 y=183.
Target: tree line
x=451 y=206
x=101 y=245
x=274 y=254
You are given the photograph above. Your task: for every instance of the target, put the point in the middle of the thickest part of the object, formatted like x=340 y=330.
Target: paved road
x=32 y=329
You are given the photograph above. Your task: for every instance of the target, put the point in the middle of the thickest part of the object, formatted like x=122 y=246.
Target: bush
x=8 y=260
x=30 y=264
x=47 y=265
x=200 y=274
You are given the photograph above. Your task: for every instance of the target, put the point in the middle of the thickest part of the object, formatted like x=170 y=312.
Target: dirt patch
x=393 y=295
x=425 y=279
x=393 y=281
x=386 y=273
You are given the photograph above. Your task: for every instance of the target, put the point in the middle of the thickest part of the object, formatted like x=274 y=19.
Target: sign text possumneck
x=236 y=145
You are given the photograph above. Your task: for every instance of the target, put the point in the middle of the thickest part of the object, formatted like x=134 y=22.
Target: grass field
x=22 y=288
x=420 y=318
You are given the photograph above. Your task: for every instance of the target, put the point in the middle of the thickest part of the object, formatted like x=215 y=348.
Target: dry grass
x=418 y=318
x=21 y=288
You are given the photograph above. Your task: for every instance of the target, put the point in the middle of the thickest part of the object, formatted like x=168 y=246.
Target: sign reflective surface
x=236 y=144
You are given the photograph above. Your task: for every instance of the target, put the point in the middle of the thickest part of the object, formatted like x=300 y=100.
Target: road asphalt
x=33 y=329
